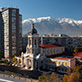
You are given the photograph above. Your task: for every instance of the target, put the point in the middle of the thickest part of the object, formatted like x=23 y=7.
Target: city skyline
x=54 y=8
x=52 y=47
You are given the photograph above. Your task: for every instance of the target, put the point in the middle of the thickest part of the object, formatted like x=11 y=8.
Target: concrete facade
x=69 y=42
x=12 y=24
x=1 y=35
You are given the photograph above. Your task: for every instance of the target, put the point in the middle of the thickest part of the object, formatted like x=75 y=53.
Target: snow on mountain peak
x=59 y=20
x=69 y=20
x=36 y=19
x=43 y=18
x=53 y=25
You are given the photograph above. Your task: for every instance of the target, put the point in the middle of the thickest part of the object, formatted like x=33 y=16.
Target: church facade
x=44 y=57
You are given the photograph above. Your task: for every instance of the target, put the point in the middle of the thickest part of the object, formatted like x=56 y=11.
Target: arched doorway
x=36 y=64
x=16 y=61
x=29 y=64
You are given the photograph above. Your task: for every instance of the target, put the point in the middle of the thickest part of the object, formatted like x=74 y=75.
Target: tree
x=78 y=71
x=65 y=78
x=53 y=77
x=75 y=49
x=14 y=59
x=49 y=78
x=71 y=78
x=42 y=78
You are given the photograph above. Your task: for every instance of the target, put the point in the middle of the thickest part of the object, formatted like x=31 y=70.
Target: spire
x=32 y=26
x=33 y=30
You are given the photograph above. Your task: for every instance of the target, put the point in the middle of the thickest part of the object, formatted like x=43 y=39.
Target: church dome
x=33 y=30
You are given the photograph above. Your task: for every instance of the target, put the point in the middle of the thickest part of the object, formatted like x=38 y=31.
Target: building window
x=33 y=51
x=48 y=51
x=62 y=69
x=57 y=62
x=64 y=63
x=43 y=51
x=61 y=63
x=65 y=69
x=35 y=41
x=58 y=68
x=53 y=61
x=29 y=42
x=68 y=64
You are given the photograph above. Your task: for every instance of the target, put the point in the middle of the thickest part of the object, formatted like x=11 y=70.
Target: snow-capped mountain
x=46 y=25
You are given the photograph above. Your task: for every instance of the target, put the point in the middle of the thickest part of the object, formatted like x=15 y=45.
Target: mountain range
x=46 y=25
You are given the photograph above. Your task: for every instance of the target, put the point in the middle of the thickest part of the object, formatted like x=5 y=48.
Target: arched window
x=35 y=41
x=61 y=63
x=19 y=61
x=68 y=64
x=64 y=63
x=29 y=42
x=57 y=62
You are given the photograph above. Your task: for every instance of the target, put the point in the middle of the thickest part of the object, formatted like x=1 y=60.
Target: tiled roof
x=78 y=54
x=62 y=58
x=67 y=54
x=64 y=54
x=47 y=45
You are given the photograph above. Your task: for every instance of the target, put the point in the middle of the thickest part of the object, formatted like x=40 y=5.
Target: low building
x=60 y=64
x=78 y=56
x=49 y=49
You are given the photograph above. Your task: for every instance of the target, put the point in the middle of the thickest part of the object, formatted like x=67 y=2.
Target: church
x=44 y=57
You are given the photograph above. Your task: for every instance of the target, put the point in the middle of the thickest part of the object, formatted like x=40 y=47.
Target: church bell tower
x=32 y=47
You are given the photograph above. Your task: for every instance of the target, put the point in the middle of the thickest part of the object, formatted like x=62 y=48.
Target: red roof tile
x=70 y=54
x=62 y=58
x=47 y=45
x=67 y=54
x=79 y=54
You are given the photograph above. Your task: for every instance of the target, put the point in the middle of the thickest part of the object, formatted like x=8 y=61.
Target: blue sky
x=44 y=8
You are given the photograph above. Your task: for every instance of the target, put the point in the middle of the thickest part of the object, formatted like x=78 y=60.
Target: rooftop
x=66 y=55
x=47 y=45
x=33 y=30
x=62 y=58
x=79 y=54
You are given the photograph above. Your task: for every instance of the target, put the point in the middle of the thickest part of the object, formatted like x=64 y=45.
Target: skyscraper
x=12 y=23
x=1 y=35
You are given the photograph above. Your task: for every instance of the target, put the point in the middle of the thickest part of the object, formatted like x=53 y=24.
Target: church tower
x=32 y=50
x=32 y=47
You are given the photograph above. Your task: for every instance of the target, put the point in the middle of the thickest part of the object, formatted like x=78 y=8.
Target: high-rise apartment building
x=12 y=23
x=1 y=35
